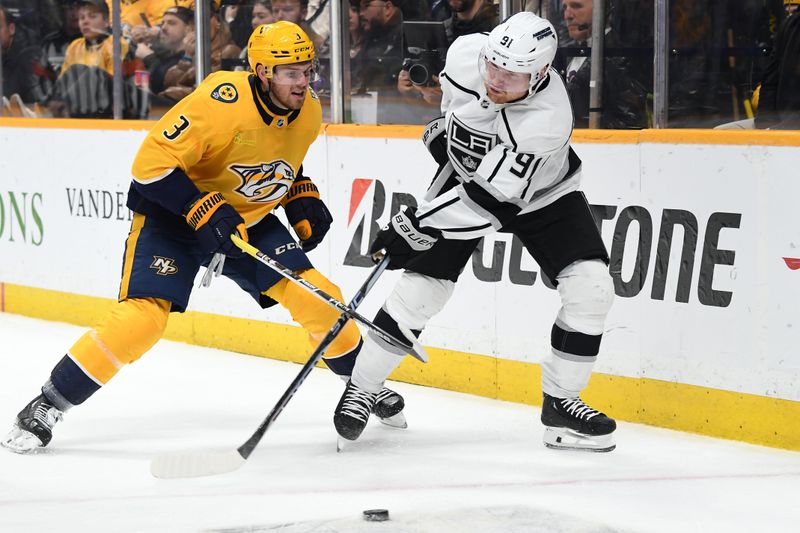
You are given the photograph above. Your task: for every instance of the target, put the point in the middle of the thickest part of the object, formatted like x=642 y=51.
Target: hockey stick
x=415 y=348
x=198 y=464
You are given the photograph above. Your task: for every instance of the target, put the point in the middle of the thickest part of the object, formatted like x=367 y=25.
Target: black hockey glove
x=403 y=239
x=435 y=139
x=307 y=213
x=214 y=221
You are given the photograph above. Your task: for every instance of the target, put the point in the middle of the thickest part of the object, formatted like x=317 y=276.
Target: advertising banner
x=702 y=238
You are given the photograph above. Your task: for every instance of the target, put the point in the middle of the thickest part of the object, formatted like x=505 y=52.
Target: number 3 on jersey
x=171 y=136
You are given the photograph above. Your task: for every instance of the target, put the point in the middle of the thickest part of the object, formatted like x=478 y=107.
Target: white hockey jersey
x=508 y=159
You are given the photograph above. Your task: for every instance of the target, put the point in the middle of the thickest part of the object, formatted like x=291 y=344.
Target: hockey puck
x=376 y=515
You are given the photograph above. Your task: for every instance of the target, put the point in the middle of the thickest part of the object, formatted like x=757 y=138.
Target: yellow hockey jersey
x=226 y=136
x=132 y=11
x=98 y=54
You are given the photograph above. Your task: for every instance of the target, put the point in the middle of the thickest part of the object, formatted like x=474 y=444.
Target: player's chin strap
x=213 y=270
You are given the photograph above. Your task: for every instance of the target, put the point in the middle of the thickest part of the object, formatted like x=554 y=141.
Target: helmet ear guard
x=524 y=43
x=280 y=43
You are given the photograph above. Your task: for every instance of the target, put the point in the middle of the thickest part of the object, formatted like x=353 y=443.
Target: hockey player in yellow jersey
x=217 y=164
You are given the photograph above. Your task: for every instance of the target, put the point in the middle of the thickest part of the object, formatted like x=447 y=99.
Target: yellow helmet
x=279 y=43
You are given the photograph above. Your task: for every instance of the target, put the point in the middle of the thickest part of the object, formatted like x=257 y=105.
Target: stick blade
x=418 y=351
x=195 y=464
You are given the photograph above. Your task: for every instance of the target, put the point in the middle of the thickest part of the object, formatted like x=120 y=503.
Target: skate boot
x=571 y=424
x=352 y=413
x=34 y=426
x=389 y=408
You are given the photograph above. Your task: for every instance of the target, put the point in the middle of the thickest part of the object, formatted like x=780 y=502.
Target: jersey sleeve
x=493 y=196
x=178 y=141
x=460 y=70
x=532 y=157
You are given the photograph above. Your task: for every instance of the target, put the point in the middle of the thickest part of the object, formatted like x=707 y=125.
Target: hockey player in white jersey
x=503 y=146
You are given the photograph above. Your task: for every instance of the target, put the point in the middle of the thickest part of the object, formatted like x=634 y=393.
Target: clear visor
x=297 y=73
x=501 y=79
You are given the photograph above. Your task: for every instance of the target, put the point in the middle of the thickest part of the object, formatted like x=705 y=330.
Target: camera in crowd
x=425 y=45
x=421 y=69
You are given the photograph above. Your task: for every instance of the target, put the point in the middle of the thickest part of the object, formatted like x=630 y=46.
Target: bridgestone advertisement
x=703 y=241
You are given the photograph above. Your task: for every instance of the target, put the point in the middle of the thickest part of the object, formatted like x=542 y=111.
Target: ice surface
x=465 y=464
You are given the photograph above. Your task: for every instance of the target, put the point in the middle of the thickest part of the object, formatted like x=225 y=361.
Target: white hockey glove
x=213 y=270
x=403 y=239
x=435 y=139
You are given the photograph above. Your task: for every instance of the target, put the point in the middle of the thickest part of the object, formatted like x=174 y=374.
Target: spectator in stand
x=180 y=79
x=296 y=11
x=624 y=97
x=439 y=10
x=779 y=99
x=382 y=54
x=55 y=44
x=355 y=29
x=84 y=86
x=141 y=19
x=260 y=14
x=356 y=32
x=468 y=16
x=319 y=18
x=240 y=21
x=134 y=12
x=165 y=52
x=19 y=57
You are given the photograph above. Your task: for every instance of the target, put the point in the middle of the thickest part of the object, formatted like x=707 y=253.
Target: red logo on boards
x=360 y=186
x=792 y=262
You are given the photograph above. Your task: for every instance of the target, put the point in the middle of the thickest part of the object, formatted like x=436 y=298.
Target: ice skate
x=34 y=426
x=570 y=424
x=389 y=408
x=352 y=413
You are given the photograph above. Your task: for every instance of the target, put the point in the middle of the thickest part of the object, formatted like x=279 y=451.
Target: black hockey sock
x=343 y=364
x=70 y=382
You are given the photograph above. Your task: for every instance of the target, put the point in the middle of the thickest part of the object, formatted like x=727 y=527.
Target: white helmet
x=524 y=43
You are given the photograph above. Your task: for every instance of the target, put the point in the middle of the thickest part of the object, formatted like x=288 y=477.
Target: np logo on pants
x=164 y=266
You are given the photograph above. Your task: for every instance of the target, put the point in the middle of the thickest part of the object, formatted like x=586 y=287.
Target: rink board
x=699 y=225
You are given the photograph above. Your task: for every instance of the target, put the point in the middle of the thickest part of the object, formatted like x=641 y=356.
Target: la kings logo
x=467 y=146
x=266 y=182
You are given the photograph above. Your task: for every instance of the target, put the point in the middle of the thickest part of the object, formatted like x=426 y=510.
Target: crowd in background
x=57 y=55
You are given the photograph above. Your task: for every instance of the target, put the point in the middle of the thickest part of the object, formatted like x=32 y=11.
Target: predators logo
x=264 y=183
x=164 y=266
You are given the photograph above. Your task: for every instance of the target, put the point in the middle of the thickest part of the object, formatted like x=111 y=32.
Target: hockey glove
x=214 y=221
x=403 y=239
x=307 y=214
x=435 y=139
